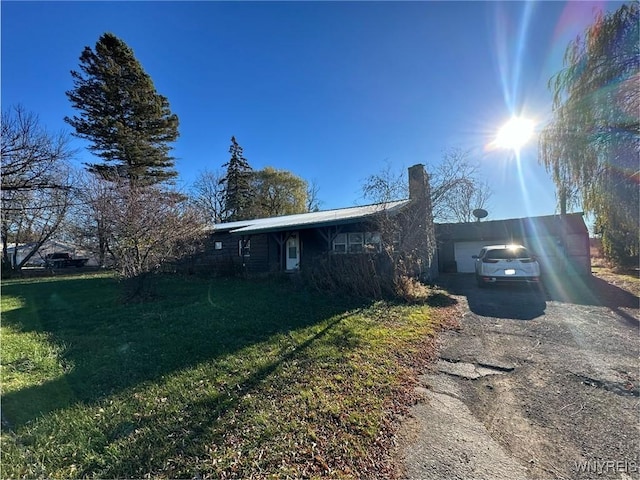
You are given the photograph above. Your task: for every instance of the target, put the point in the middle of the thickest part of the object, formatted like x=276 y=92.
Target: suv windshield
x=507 y=253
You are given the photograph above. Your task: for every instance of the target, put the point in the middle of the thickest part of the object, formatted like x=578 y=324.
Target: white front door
x=293 y=252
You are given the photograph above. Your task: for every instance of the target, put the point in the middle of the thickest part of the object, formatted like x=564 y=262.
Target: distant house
x=561 y=242
x=50 y=246
x=291 y=242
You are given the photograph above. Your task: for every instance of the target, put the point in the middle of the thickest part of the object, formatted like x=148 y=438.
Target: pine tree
x=127 y=122
x=237 y=183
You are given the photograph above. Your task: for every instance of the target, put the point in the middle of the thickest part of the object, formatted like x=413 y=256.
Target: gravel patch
x=536 y=384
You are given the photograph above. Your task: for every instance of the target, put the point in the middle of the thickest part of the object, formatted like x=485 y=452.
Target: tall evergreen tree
x=127 y=122
x=237 y=183
x=593 y=143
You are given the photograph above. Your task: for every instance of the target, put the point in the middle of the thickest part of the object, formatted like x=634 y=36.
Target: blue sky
x=332 y=91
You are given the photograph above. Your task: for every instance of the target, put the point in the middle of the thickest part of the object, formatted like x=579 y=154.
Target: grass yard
x=215 y=378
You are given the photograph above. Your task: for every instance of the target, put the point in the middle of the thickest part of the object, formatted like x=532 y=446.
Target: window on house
x=372 y=242
x=358 y=242
x=340 y=243
x=396 y=240
x=217 y=245
x=244 y=248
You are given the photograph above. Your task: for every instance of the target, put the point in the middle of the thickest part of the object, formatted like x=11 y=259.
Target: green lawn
x=216 y=378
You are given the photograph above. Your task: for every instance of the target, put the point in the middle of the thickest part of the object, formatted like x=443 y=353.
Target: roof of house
x=548 y=225
x=309 y=220
x=48 y=245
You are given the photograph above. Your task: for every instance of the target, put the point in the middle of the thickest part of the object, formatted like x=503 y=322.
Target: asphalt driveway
x=537 y=383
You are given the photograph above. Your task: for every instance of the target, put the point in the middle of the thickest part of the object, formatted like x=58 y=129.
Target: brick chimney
x=421 y=233
x=418 y=183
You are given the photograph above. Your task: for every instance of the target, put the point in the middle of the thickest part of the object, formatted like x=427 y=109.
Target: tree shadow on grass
x=109 y=347
x=206 y=426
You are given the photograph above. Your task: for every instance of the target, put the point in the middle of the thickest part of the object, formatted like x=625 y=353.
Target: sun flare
x=515 y=133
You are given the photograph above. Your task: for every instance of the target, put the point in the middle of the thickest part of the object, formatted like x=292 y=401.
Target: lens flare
x=515 y=133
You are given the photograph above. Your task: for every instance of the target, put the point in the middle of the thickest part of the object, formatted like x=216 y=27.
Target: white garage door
x=463 y=252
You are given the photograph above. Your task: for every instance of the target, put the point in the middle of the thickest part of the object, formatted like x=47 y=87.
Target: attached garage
x=560 y=241
x=464 y=251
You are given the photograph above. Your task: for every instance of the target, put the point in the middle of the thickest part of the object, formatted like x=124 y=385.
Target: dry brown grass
x=628 y=280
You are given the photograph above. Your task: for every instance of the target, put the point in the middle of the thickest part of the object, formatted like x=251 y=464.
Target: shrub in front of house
x=375 y=276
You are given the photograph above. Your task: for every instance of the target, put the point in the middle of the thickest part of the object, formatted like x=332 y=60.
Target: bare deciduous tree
x=87 y=222
x=386 y=186
x=208 y=196
x=313 y=199
x=456 y=188
x=149 y=227
x=462 y=200
x=37 y=183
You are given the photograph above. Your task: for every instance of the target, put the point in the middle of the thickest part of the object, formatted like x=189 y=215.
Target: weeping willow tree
x=592 y=145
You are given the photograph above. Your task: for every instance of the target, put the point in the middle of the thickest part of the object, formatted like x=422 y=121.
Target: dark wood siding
x=265 y=253
x=227 y=260
x=219 y=261
x=258 y=260
x=312 y=244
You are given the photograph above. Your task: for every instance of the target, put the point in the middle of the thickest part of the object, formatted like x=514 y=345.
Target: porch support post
x=280 y=241
x=244 y=243
x=281 y=238
x=328 y=236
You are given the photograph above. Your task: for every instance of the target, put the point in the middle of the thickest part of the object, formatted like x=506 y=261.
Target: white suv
x=506 y=263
